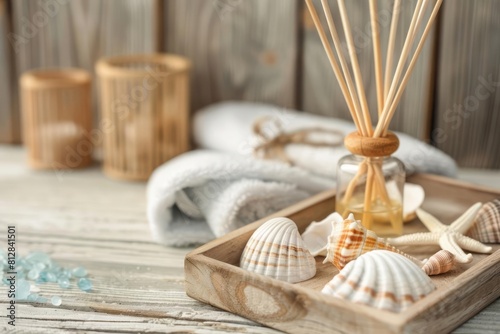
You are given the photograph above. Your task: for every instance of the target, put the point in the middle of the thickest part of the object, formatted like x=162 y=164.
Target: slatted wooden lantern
x=57 y=118
x=145 y=112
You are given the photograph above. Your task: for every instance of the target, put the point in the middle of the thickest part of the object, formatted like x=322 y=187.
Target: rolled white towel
x=227 y=127
x=205 y=194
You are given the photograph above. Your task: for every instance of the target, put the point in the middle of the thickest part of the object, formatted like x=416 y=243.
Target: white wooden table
x=83 y=218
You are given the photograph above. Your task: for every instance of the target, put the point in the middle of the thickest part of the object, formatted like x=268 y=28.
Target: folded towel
x=227 y=127
x=205 y=194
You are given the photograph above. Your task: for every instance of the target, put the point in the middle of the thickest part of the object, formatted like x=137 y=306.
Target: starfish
x=448 y=237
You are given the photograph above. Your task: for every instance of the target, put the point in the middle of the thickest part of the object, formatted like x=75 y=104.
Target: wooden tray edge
x=414 y=319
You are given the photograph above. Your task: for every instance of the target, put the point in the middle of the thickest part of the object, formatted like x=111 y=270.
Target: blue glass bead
x=33 y=274
x=63 y=282
x=42 y=300
x=56 y=300
x=84 y=284
x=79 y=272
x=51 y=277
x=36 y=257
x=42 y=277
x=64 y=273
x=39 y=266
x=33 y=297
x=22 y=289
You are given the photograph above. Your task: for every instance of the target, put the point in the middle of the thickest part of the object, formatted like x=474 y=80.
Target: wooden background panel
x=9 y=111
x=321 y=93
x=243 y=50
x=468 y=99
x=76 y=33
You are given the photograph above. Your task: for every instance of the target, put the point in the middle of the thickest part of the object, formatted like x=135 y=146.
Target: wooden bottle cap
x=371 y=147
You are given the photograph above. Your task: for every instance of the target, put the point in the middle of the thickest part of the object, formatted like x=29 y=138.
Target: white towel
x=205 y=194
x=227 y=127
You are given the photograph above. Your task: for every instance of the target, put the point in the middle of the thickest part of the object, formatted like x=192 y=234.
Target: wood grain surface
x=82 y=218
x=241 y=50
x=468 y=98
x=320 y=91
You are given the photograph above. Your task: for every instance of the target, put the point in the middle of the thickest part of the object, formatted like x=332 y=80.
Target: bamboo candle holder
x=145 y=112
x=56 y=111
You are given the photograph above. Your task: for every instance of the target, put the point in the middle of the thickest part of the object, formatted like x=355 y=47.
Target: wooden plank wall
x=245 y=50
x=321 y=92
x=269 y=51
x=78 y=32
x=468 y=99
x=9 y=112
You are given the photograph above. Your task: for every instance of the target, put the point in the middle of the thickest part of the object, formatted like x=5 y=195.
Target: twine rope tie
x=273 y=146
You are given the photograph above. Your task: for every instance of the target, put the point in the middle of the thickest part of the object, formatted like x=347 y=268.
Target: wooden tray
x=213 y=276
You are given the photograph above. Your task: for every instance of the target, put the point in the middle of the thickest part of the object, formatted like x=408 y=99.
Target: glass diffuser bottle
x=370 y=183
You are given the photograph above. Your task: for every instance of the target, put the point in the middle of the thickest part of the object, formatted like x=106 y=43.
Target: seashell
x=316 y=234
x=381 y=279
x=414 y=196
x=277 y=250
x=486 y=226
x=350 y=240
x=439 y=263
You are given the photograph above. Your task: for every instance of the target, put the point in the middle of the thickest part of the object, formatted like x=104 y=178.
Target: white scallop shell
x=277 y=250
x=414 y=196
x=381 y=279
x=316 y=234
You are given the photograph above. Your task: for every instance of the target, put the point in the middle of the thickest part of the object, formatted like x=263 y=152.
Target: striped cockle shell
x=316 y=234
x=277 y=250
x=381 y=279
x=439 y=263
x=350 y=240
x=486 y=226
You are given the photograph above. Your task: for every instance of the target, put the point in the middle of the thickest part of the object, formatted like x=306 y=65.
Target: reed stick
x=382 y=192
x=390 y=46
x=352 y=185
x=355 y=66
x=400 y=66
x=389 y=90
x=367 y=217
x=333 y=63
x=384 y=126
x=377 y=55
x=344 y=65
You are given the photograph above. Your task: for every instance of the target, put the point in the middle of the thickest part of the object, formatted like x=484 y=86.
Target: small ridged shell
x=277 y=250
x=350 y=240
x=439 y=263
x=381 y=279
x=316 y=234
x=486 y=226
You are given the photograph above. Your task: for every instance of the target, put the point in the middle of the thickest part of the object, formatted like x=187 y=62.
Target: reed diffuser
x=370 y=182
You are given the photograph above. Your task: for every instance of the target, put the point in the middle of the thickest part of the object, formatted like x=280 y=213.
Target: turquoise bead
x=38 y=257
x=33 y=274
x=33 y=297
x=79 y=272
x=56 y=300
x=42 y=300
x=22 y=289
x=63 y=282
x=84 y=284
